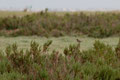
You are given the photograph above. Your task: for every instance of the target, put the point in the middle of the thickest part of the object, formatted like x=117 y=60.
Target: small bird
x=79 y=41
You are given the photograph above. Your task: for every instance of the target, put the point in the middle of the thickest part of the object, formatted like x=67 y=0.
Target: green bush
x=37 y=63
x=107 y=73
x=13 y=76
x=93 y=24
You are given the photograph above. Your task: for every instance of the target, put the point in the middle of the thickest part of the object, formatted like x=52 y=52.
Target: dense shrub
x=37 y=63
x=93 y=24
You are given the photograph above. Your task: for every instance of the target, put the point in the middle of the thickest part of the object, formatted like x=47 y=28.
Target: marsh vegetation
x=54 y=52
x=44 y=23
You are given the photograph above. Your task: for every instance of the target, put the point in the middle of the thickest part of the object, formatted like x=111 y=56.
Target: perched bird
x=79 y=41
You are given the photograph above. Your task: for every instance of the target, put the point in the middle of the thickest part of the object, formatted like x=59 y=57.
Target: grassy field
x=47 y=24
x=13 y=13
x=22 y=13
x=58 y=43
x=93 y=59
x=100 y=62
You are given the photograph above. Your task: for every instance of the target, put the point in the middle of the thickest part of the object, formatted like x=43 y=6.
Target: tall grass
x=99 y=63
x=44 y=23
x=4 y=13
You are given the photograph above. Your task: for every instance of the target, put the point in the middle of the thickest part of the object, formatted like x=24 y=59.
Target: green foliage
x=88 y=70
x=107 y=73
x=118 y=50
x=45 y=23
x=100 y=32
x=36 y=63
x=12 y=76
x=5 y=66
x=46 y=45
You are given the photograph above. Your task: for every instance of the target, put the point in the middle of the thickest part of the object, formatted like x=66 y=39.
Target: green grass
x=22 y=13
x=58 y=43
x=13 y=13
x=37 y=63
x=92 y=24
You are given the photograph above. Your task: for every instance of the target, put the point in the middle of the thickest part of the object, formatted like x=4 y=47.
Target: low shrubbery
x=93 y=24
x=37 y=63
